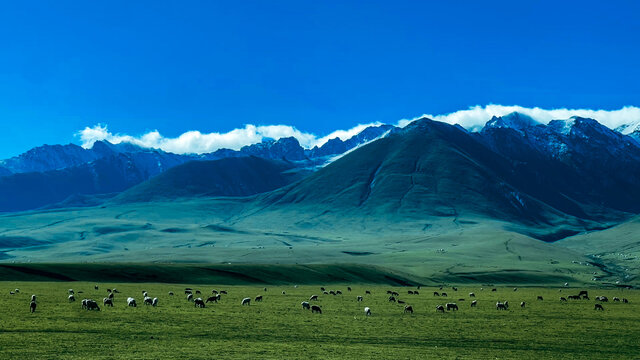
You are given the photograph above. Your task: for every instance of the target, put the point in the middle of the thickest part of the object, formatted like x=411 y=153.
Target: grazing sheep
x=408 y=309
x=110 y=296
x=360 y=298
x=451 y=306
x=92 y=305
x=71 y=291
x=625 y=301
x=154 y=303
x=198 y=303
x=325 y=293
x=322 y=289
x=563 y=298
x=349 y=289
x=32 y=306
x=258 y=298
x=502 y=306
x=474 y=303
x=584 y=293
x=395 y=294
x=338 y=292
x=614 y=299
x=315 y=309
x=33 y=298
x=187 y=292
x=107 y=302
x=131 y=302
x=190 y=297
x=435 y=293
x=212 y=299
x=198 y=292
x=223 y=292
x=265 y=289
x=440 y=308
x=332 y=292
x=585 y=297
x=415 y=292
x=443 y=294
x=392 y=299
x=108 y=290
x=246 y=301
x=367 y=292
x=95 y=287
x=17 y=291
x=598 y=307
x=515 y=289
x=84 y=303
x=147 y=301
x=472 y=295
x=494 y=289
x=115 y=290
x=389 y=292
x=284 y=293
x=305 y=305
x=540 y=297
x=573 y=297
x=455 y=288
x=72 y=298
x=144 y=292
x=214 y=291
x=170 y=293
x=602 y=298
x=523 y=304
x=367 y=311
x=313 y=297
x=410 y=292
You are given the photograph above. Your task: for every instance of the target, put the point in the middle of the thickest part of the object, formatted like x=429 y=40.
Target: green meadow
x=279 y=328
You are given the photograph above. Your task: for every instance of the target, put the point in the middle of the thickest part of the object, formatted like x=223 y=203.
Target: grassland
x=201 y=231
x=279 y=328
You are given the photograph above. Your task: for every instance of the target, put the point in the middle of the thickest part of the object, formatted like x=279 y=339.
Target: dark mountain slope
x=426 y=169
x=237 y=176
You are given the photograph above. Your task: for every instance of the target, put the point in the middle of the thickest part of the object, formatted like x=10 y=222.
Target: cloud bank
x=472 y=119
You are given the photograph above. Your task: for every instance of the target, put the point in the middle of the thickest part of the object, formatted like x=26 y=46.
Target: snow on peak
x=514 y=120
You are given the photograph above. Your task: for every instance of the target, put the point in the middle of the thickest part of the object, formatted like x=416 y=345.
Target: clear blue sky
x=186 y=65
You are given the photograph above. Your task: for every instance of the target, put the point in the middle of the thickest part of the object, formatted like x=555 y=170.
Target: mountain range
x=50 y=174
x=427 y=198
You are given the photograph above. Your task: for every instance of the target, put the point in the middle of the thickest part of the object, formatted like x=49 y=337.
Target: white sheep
x=131 y=302
x=246 y=301
x=367 y=311
x=306 y=305
x=154 y=302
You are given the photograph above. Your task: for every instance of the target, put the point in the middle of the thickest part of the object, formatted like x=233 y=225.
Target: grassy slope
x=618 y=247
x=279 y=328
x=203 y=273
x=434 y=249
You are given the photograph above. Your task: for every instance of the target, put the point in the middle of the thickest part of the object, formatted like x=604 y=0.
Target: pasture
x=278 y=327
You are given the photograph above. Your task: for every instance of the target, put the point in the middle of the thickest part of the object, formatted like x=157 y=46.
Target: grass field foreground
x=278 y=327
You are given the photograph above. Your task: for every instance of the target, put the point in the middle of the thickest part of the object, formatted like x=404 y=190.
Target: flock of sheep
x=216 y=296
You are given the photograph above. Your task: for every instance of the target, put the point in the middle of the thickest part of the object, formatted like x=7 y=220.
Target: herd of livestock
x=393 y=296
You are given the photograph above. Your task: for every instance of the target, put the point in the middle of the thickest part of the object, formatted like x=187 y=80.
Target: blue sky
x=318 y=66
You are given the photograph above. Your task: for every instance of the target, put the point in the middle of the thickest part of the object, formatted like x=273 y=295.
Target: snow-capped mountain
x=50 y=174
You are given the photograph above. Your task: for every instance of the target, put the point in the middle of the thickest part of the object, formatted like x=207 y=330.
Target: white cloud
x=195 y=142
x=475 y=117
x=472 y=119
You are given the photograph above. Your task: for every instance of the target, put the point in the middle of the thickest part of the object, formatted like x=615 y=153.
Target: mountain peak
x=514 y=120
